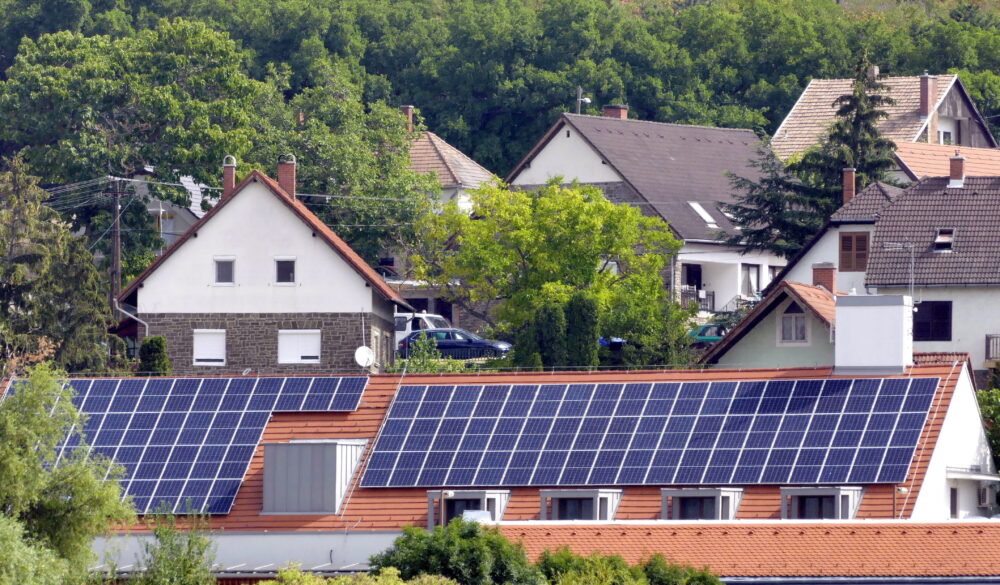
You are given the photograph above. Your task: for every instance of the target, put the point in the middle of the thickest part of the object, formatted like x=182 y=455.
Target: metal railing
x=993 y=346
x=705 y=299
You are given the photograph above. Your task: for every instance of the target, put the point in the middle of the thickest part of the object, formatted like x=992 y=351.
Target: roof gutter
x=909 y=580
x=130 y=315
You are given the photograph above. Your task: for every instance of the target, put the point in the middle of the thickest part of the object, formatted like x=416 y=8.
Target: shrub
x=153 y=360
x=582 y=331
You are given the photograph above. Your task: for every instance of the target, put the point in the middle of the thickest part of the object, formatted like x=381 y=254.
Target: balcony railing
x=705 y=299
x=993 y=346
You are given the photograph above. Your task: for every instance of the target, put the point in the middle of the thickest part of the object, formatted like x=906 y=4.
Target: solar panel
x=861 y=430
x=186 y=443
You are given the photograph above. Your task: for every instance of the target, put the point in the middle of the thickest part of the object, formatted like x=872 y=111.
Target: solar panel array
x=692 y=433
x=186 y=443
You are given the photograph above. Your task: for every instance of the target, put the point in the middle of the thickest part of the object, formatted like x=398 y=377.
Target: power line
x=98 y=240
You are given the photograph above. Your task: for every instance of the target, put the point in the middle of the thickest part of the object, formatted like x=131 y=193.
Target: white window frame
x=436 y=503
x=846 y=500
x=194 y=345
x=780 y=322
x=289 y=334
x=729 y=496
x=295 y=270
x=215 y=270
x=611 y=498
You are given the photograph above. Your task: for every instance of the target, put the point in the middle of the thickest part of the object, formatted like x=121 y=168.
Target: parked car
x=407 y=323
x=457 y=343
x=707 y=334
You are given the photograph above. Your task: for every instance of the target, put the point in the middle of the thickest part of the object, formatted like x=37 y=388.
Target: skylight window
x=703 y=213
x=945 y=240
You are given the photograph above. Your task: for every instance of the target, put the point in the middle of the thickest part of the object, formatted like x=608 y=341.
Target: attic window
x=703 y=213
x=945 y=240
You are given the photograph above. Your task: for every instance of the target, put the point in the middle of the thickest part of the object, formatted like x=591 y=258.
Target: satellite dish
x=364 y=356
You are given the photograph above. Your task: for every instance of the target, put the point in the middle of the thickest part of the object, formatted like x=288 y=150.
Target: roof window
x=945 y=240
x=703 y=213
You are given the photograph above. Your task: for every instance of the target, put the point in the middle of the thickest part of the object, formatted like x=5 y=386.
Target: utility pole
x=116 y=246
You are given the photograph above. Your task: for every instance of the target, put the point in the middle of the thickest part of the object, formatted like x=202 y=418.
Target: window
x=703 y=214
x=853 y=251
x=944 y=137
x=400 y=323
x=932 y=321
x=299 y=346
x=793 y=327
x=224 y=270
x=700 y=503
x=945 y=240
x=579 y=504
x=284 y=270
x=749 y=279
x=209 y=347
x=819 y=503
x=448 y=504
x=953 y=502
x=309 y=477
x=773 y=272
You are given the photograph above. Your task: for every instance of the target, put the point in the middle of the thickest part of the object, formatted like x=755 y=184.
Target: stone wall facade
x=252 y=341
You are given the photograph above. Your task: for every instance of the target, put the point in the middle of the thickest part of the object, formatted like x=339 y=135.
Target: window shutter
x=298 y=346
x=209 y=346
x=846 y=256
x=860 y=252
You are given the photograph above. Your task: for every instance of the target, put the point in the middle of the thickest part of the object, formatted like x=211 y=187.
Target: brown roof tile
x=921 y=160
x=799 y=550
x=431 y=154
x=812 y=115
x=973 y=211
x=868 y=204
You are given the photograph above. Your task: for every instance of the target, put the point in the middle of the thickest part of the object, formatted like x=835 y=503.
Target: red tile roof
x=303 y=213
x=431 y=154
x=787 y=550
x=919 y=160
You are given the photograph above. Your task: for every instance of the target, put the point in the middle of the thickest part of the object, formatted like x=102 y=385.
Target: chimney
x=286 y=174
x=857 y=351
x=956 y=175
x=408 y=112
x=850 y=185
x=873 y=71
x=928 y=94
x=228 y=175
x=825 y=275
x=616 y=111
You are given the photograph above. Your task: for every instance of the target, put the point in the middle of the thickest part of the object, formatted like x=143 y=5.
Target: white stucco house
x=673 y=171
x=262 y=284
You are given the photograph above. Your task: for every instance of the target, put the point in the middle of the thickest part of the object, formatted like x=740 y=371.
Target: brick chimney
x=286 y=174
x=408 y=112
x=956 y=175
x=825 y=275
x=228 y=175
x=928 y=93
x=850 y=185
x=616 y=111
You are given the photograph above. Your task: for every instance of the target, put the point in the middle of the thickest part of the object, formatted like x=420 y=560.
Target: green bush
x=566 y=568
x=426 y=359
x=582 y=331
x=177 y=556
x=153 y=359
x=659 y=572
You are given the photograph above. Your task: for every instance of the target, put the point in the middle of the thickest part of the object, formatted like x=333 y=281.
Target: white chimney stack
x=873 y=334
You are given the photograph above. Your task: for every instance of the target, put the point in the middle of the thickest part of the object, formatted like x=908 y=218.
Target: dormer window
x=793 y=328
x=945 y=240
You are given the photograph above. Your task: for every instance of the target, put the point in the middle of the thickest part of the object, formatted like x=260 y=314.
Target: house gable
x=563 y=152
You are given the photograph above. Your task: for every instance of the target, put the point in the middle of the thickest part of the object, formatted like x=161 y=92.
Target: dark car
x=456 y=343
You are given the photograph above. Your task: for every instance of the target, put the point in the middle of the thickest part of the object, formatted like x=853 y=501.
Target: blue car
x=456 y=343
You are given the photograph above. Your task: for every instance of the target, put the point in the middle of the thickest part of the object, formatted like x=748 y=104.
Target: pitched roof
x=919 y=160
x=973 y=211
x=878 y=549
x=820 y=302
x=669 y=165
x=300 y=211
x=868 y=204
x=811 y=116
x=431 y=154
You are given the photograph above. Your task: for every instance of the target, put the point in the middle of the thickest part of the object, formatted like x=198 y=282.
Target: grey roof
x=868 y=204
x=671 y=165
x=973 y=211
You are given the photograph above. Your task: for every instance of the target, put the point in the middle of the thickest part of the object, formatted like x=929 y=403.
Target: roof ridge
x=433 y=139
x=567 y=114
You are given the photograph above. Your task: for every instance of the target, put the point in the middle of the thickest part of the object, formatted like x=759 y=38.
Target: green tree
x=659 y=572
x=583 y=329
x=464 y=551
x=177 y=555
x=55 y=507
x=563 y=567
x=550 y=326
x=519 y=250
x=153 y=358
x=25 y=562
x=51 y=300
x=989 y=406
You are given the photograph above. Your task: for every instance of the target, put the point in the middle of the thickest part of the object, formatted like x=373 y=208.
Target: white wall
x=973 y=315
x=961 y=444
x=255 y=227
x=873 y=332
x=759 y=347
x=827 y=249
x=720 y=267
x=569 y=157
